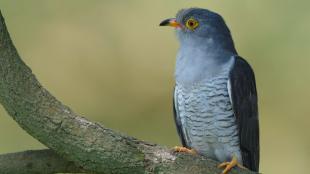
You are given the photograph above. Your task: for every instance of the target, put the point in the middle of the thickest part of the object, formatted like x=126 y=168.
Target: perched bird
x=215 y=98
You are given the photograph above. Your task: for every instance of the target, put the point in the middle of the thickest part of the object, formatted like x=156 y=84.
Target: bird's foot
x=184 y=149
x=229 y=165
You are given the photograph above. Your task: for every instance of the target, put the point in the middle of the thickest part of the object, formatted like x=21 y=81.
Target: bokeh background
x=109 y=61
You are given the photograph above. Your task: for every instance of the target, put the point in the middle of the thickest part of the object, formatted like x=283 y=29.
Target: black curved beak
x=172 y=22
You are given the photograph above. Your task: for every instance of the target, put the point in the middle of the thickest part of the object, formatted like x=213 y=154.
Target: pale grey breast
x=207 y=117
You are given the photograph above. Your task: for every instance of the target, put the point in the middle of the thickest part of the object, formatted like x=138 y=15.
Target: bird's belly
x=208 y=120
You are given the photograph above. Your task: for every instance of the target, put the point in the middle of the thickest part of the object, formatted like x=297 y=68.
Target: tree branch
x=72 y=137
x=39 y=161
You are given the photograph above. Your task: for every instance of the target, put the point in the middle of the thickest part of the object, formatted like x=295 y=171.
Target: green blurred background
x=109 y=61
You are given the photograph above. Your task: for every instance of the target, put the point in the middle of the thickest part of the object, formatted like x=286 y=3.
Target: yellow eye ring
x=192 y=24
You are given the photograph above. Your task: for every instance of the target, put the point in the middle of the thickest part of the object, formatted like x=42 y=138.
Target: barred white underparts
x=207 y=117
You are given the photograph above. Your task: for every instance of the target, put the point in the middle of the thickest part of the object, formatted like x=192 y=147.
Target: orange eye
x=192 y=23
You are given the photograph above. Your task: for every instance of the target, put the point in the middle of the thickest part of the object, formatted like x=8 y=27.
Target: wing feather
x=244 y=99
x=178 y=122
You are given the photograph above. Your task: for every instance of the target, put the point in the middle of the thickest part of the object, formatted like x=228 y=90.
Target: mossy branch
x=38 y=161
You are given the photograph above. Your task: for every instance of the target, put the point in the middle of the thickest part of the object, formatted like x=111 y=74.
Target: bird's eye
x=192 y=24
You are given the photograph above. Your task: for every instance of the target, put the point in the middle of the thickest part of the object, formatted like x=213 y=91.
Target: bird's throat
x=196 y=64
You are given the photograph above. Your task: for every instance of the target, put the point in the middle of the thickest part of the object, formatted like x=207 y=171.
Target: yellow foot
x=184 y=149
x=229 y=165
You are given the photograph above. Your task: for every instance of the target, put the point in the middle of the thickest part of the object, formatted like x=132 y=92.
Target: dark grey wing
x=178 y=122
x=244 y=99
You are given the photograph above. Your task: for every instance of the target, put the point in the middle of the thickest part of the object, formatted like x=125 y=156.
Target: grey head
x=209 y=26
x=206 y=45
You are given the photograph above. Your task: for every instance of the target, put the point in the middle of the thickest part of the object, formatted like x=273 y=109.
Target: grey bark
x=89 y=145
x=39 y=161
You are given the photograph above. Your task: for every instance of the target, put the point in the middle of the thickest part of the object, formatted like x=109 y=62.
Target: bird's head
x=200 y=26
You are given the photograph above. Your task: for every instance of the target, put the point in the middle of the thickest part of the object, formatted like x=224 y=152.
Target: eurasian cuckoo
x=215 y=98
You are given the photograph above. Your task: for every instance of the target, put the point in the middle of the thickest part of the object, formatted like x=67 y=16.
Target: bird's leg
x=184 y=149
x=229 y=165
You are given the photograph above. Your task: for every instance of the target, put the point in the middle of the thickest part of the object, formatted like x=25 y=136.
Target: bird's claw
x=185 y=150
x=229 y=165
